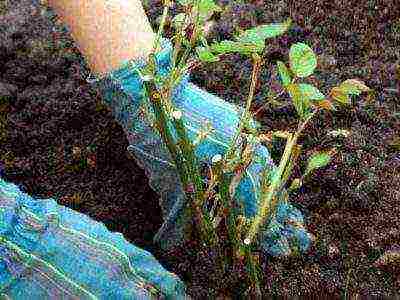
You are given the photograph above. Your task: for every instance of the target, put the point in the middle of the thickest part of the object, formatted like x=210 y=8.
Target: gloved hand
x=48 y=251
x=123 y=91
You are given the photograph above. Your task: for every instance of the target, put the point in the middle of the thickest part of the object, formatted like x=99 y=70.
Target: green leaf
x=205 y=55
x=310 y=92
x=302 y=60
x=284 y=73
x=301 y=103
x=353 y=87
x=178 y=20
x=207 y=8
x=262 y=32
x=348 y=87
x=232 y=47
x=339 y=96
x=317 y=160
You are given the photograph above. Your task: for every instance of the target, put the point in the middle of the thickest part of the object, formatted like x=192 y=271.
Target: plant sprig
x=227 y=171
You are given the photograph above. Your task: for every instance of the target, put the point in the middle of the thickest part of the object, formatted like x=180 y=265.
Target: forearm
x=107 y=32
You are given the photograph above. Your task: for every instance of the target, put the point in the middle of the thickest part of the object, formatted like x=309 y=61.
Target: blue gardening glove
x=123 y=91
x=285 y=233
x=48 y=251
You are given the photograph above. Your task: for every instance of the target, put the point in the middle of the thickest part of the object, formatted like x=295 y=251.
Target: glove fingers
x=273 y=241
x=286 y=231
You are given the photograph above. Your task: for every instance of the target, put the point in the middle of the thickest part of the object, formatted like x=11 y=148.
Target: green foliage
x=225 y=47
x=301 y=103
x=310 y=92
x=303 y=95
x=317 y=160
x=353 y=87
x=339 y=96
x=296 y=184
x=302 y=60
x=206 y=8
x=179 y=21
x=251 y=40
x=260 y=33
x=284 y=73
x=341 y=93
x=205 y=55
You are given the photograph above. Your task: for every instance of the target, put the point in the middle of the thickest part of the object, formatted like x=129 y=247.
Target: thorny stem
x=155 y=97
x=227 y=209
x=161 y=120
x=224 y=183
x=192 y=41
x=245 y=115
x=190 y=160
x=162 y=125
x=156 y=45
x=175 y=71
x=252 y=272
x=184 y=158
x=275 y=182
x=185 y=162
x=193 y=38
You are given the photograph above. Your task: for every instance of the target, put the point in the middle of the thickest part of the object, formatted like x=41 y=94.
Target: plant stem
x=185 y=159
x=245 y=115
x=193 y=38
x=192 y=42
x=185 y=162
x=266 y=202
x=191 y=161
x=228 y=211
x=156 y=45
x=163 y=129
x=252 y=272
x=276 y=181
x=176 y=50
x=288 y=170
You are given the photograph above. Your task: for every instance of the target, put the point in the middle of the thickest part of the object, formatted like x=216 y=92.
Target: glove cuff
x=127 y=77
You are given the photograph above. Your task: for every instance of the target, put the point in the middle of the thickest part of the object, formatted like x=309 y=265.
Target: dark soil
x=58 y=140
